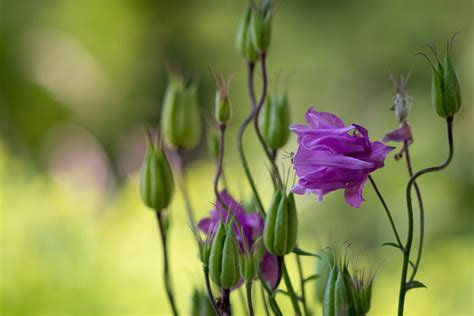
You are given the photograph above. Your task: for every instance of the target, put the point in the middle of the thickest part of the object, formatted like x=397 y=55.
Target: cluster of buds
x=254 y=32
x=343 y=292
x=281 y=224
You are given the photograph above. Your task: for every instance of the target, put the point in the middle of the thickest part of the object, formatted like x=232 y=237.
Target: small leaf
x=414 y=284
x=301 y=252
x=311 y=278
x=392 y=244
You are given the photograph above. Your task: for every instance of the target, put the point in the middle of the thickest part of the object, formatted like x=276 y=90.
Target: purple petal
x=205 y=224
x=342 y=144
x=401 y=134
x=269 y=268
x=376 y=155
x=322 y=120
x=353 y=194
x=305 y=160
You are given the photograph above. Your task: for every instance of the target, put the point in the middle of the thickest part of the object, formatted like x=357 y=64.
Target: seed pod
x=281 y=225
x=274 y=121
x=224 y=257
x=244 y=43
x=452 y=91
x=180 y=120
x=156 y=182
x=445 y=91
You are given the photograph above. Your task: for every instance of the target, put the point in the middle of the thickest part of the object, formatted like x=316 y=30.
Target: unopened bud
x=274 y=121
x=156 y=182
x=223 y=110
x=261 y=23
x=180 y=121
x=446 y=93
x=243 y=41
x=281 y=224
x=224 y=257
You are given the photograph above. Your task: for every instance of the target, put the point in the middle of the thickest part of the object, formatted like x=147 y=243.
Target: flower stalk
x=166 y=272
x=404 y=285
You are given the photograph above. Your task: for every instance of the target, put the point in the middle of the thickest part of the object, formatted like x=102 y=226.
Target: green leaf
x=301 y=252
x=414 y=284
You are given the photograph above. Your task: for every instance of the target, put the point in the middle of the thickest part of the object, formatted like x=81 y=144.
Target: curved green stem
x=275 y=174
x=422 y=212
x=406 y=253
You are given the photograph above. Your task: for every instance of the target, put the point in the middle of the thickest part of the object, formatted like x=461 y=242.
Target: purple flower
x=252 y=227
x=333 y=156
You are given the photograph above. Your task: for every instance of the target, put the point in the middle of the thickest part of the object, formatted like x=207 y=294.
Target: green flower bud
x=224 y=257
x=261 y=23
x=323 y=267
x=328 y=302
x=281 y=225
x=445 y=91
x=156 y=182
x=180 y=120
x=223 y=108
x=274 y=121
x=243 y=41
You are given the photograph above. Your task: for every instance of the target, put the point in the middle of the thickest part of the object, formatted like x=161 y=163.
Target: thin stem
x=273 y=303
x=248 y=287
x=166 y=272
x=422 y=212
x=389 y=215
x=406 y=253
x=240 y=134
x=303 y=290
x=226 y=308
x=265 y=307
x=275 y=173
x=220 y=159
x=184 y=189
x=291 y=291
x=209 y=290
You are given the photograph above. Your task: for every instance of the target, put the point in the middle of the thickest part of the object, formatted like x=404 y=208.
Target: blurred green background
x=79 y=80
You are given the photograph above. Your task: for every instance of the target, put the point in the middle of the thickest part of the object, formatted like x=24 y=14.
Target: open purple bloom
x=333 y=156
x=252 y=227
